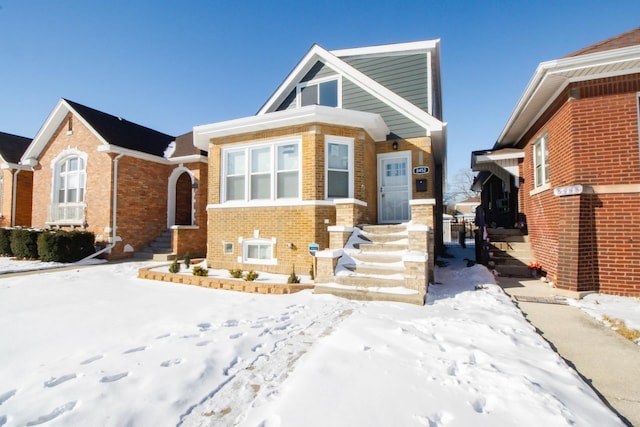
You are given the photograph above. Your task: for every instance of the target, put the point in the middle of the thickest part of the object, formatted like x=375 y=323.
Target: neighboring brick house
x=16 y=182
x=467 y=208
x=122 y=181
x=334 y=146
x=568 y=164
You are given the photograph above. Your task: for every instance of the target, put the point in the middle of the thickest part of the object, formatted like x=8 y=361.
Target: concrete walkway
x=607 y=361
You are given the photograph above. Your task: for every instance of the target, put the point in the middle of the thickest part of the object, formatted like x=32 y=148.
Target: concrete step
x=376 y=269
x=366 y=281
x=513 y=270
x=503 y=232
x=369 y=295
x=384 y=229
x=378 y=257
x=510 y=246
x=382 y=247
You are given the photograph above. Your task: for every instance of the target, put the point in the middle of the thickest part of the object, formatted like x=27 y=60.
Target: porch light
x=394 y=145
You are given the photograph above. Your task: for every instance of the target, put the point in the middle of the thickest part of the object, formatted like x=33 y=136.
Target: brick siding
x=589 y=241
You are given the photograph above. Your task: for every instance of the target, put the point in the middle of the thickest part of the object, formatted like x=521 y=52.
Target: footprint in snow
x=236 y=336
x=167 y=335
x=204 y=326
x=91 y=359
x=114 y=378
x=53 y=414
x=135 y=350
x=203 y=343
x=230 y=323
x=3 y=420
x=57 y=381
x=171 y=362
x=7 y=395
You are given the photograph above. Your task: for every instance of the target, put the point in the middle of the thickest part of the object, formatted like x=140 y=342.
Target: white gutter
x=13 y=201
x=113 y=216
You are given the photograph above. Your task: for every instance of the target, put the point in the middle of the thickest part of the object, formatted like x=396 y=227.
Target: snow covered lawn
x=97 y=346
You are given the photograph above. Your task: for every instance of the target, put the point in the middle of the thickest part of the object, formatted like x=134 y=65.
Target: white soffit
x=552 y=77
x=373 y=124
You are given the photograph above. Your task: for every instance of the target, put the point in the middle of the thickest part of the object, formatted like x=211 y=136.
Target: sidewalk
x=610 y=363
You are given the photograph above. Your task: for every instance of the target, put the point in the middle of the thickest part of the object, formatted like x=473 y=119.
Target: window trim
x=541 y=144
x=273 y=171
x=261 y=242
x=318 y=82
x=340 y=140
x=54 y=203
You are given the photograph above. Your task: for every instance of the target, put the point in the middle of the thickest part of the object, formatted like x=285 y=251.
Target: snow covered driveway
x=97 y=346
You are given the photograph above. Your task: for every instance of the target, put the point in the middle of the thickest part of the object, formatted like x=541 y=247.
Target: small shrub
x=311 y=272
x=65 y=246
x=251 y=276
x=24 y=243
x=174 y=267
x=200 y=271
x=236 y=273
x=292 y=277
x=187 y=260
x=5 y=242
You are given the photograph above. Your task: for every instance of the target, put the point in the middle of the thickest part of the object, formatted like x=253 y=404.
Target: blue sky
x=170 y=65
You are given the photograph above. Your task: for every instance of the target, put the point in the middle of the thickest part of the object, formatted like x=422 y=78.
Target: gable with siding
x=356 y=98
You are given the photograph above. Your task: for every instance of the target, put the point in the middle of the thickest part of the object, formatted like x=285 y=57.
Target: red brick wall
x=142 y=201
x=588 y=242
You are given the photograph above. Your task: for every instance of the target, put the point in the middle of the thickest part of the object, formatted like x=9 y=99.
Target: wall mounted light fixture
x=394 y=145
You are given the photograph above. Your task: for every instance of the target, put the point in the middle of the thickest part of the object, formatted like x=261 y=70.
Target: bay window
x=262 y=172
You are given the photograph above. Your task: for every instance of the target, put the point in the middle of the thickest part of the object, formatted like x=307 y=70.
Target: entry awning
x=502 y=163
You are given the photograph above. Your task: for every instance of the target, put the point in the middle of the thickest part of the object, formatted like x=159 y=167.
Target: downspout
x=13 y=198
x=113 y=215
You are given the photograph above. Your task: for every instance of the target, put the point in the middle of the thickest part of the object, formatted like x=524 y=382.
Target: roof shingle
x=12 y=147
x=122 y=133
x=630 y=38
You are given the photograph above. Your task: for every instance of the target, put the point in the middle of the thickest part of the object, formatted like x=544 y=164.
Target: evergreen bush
x=65 y=246
x=251 y=276
x=292 y=277
x=200 y=271
x=235 y=273
x=5 y=242
x=174 y=267
x=24 y=243
x=187 y=260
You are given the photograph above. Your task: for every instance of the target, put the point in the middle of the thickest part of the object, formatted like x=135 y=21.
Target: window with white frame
x=339 y=167
x=319 y=92
x=262 y=172
x=541 y=161
x=258 y=251
x=69 y=183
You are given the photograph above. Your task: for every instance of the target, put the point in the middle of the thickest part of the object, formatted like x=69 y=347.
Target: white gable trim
x=46 y=132
x=317 y=53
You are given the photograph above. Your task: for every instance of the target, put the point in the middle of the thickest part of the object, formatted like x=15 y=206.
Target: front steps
x=510 y=252
x=159 y=250
x=372 y=267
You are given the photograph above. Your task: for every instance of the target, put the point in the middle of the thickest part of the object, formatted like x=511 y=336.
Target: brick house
x=122 y=181
x=15 y=182
x=350 y=137
x=567 y=164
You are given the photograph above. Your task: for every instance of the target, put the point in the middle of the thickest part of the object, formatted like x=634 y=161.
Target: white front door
x=394 y=187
